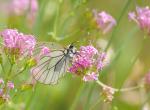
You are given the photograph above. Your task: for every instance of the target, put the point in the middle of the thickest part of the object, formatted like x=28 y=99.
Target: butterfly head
x=71 y=50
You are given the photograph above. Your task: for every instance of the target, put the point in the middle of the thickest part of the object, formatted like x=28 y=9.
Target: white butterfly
x=52 y=67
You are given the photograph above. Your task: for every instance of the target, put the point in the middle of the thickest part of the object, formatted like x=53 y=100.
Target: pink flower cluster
x=19 y=7
x=141 y=17
x=101 y=61
x=13 y=40
x=5 y=89
x=104 y=21
x=90 y=77
x=25 y=7
x=147 y=78
x=86 y=63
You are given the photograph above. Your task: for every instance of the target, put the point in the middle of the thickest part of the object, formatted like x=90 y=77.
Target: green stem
x=54 y=34
x=3 y=69
x=31 y=98
x=119 y=90
x=20 y=72
x=10 y=70
x=87 y=104
x=96 y=103
x=118 y=22
x=77 y=97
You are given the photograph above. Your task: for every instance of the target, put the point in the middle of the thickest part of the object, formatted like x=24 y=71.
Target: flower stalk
x=119 y=90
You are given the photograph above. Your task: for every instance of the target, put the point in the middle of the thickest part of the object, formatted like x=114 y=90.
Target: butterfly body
x=70 y=51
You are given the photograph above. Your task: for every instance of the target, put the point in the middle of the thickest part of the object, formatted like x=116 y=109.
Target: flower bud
x=10 y=85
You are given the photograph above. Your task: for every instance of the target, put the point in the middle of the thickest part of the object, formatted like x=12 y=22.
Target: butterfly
x=50 y=68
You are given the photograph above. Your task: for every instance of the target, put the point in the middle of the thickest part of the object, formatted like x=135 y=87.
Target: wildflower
x=90 y=77
x=147 y=78
x=84 y=59
x=104 y=21
x=10 y=85
x=27 y=44
x=101 y=63
x=6 y=97
x=17 y=43
x=88 y=50
x=1 y=81
x=25 y=7
x=45 y=51
x=108 y=94
x=141 y=17
x=19 y=7
x=147 y=81
x=86 y=63
x=33 y=6
x=1 y=92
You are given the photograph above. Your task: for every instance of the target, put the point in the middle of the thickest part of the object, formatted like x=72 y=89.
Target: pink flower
x=88 y=50
x=1 y=92
x=101 y=63
x=104 y=21
x=88 y=62
x=13 y=40
x=33 y=6
x=147 y=78
x=20 y=7
x=1 y=81
x=84 y=58
x=45 y=51
x=25 y=7
x=141 y=17
x=10 y=37
x=108 y=94
x=132 y=16
x=90 y=77
x=10 y=85
x=27 y=44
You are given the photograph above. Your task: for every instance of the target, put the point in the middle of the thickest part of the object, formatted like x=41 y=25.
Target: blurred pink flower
x=147 y=78
x=108 y=94
x=18 y=41
x=19 y=6
x=24 y=7
x=142 y=17
x=1 y=81
x=33 y=6
x=1 y=92
x=101 y=63
x=6 y=97
x=90 y=77
x=104 y=21
x=10 y=85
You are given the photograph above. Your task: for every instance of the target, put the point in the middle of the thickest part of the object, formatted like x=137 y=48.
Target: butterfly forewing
x=50 y=68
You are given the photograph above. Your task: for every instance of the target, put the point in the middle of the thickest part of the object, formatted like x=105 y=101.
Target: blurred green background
x=71 y=20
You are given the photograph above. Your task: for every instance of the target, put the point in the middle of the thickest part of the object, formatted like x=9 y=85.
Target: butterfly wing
x=50 y=68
